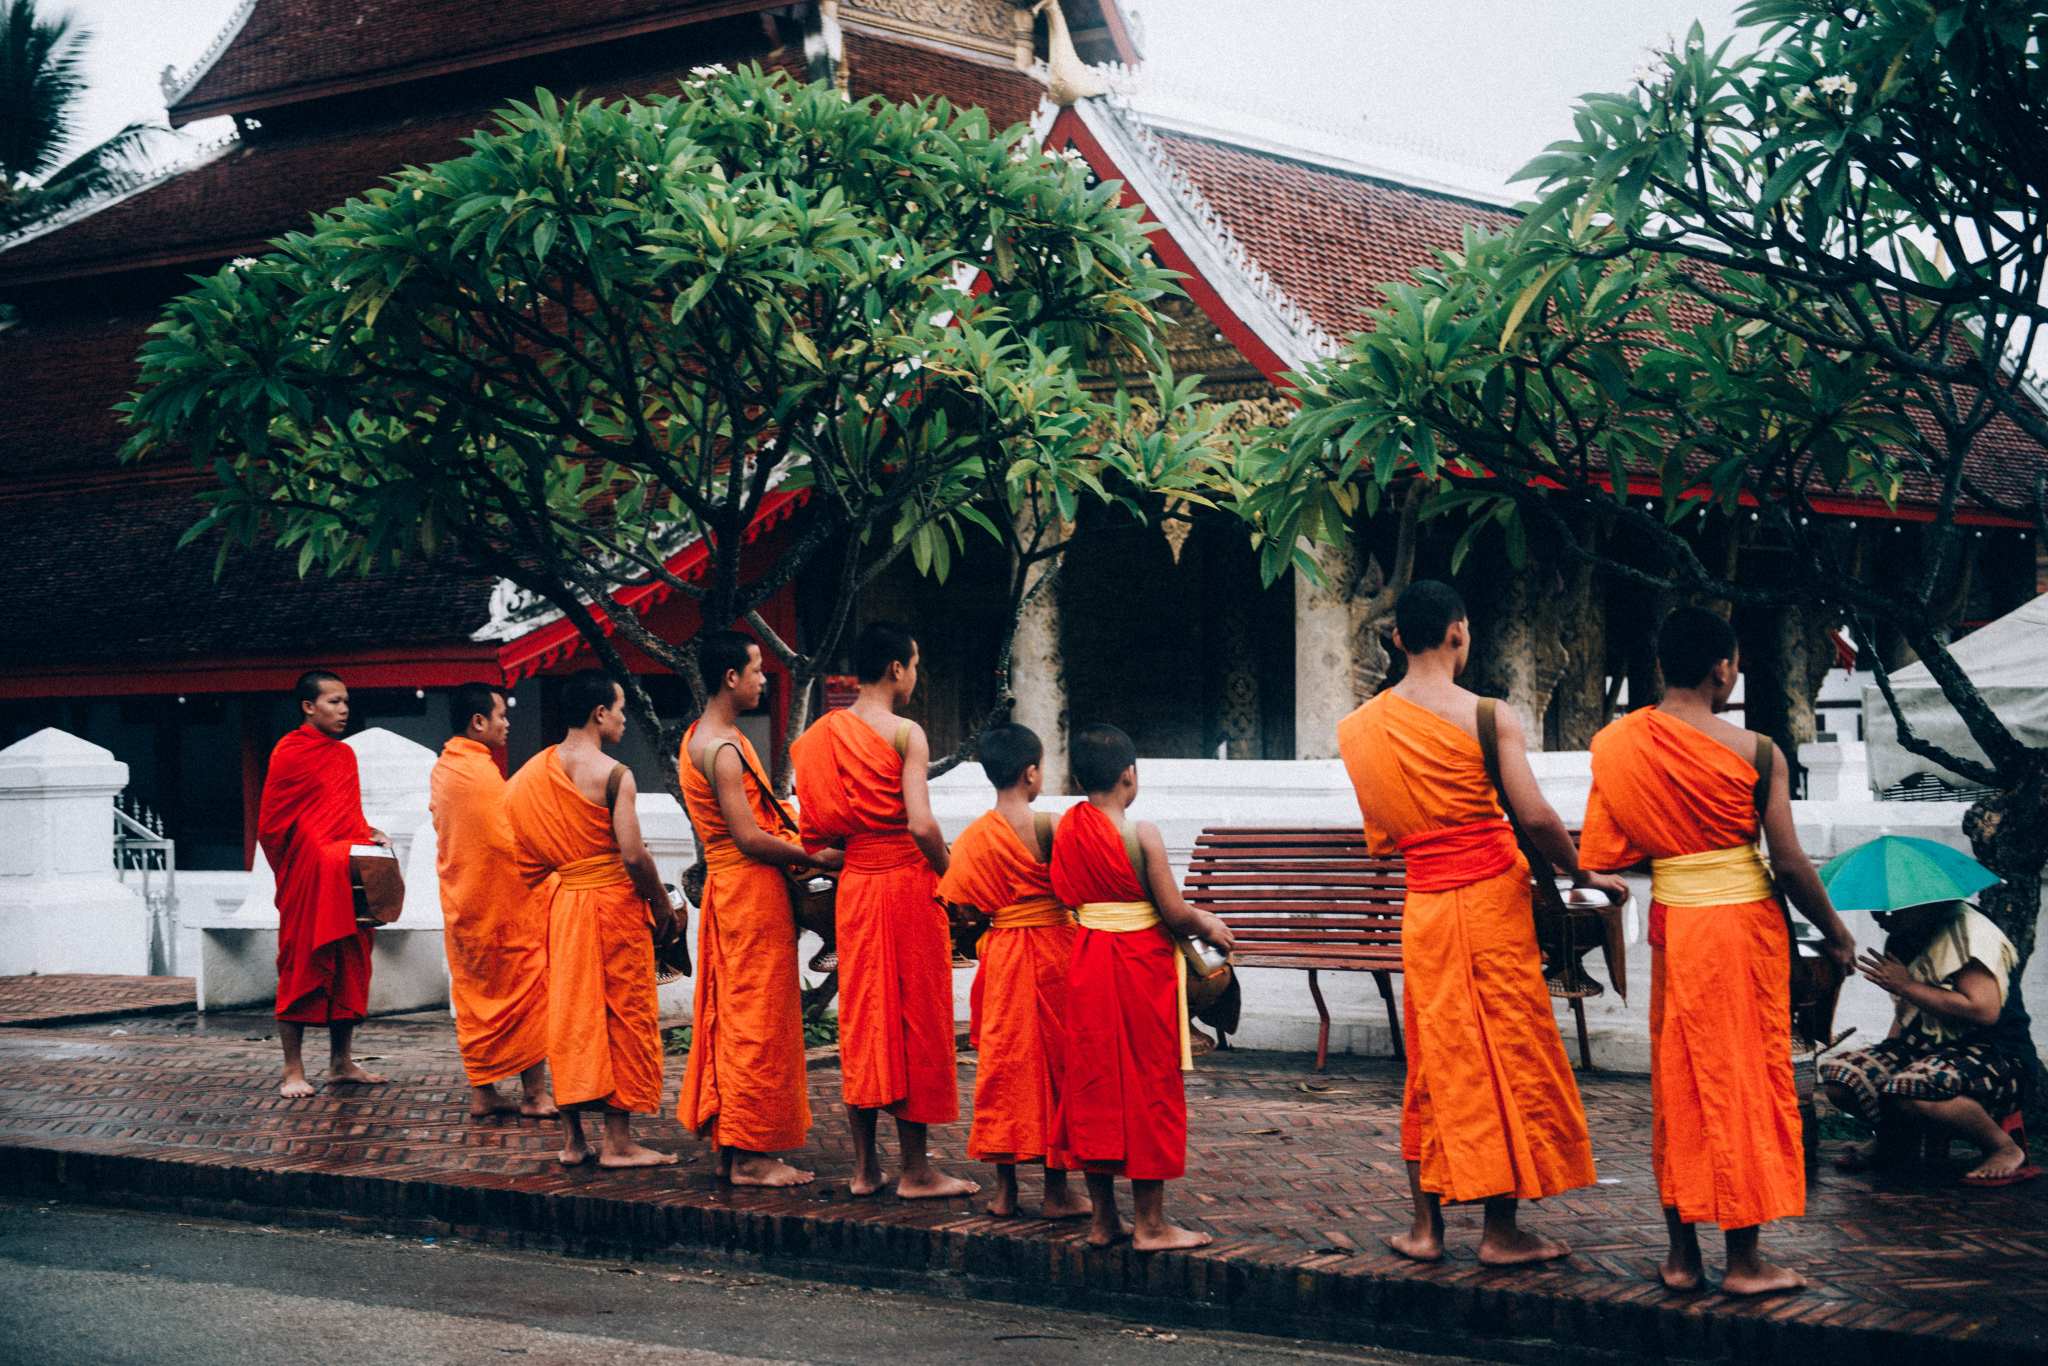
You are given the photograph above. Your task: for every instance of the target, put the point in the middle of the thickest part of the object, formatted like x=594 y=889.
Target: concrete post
x=62 y=909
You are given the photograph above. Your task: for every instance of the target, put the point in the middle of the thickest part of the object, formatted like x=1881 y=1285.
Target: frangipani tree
x=1751 y=282
x=616 y=327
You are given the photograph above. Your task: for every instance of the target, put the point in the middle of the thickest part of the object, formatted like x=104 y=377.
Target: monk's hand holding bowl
x=1613 y=884
x=379 y=837
x=829 y=860
x=1216 y=932
x=1884 y=970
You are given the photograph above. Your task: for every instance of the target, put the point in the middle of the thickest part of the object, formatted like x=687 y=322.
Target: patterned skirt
x=1916 y=1069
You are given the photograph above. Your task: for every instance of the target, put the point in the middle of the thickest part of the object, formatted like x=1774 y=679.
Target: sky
x=1485 y=82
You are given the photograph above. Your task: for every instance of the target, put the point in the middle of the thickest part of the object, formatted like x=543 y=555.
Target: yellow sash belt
x=599 y=870
x=1719 y=877
x=1128 y=917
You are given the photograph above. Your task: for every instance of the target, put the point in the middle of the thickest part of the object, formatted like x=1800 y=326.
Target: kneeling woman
x=1959 y=1057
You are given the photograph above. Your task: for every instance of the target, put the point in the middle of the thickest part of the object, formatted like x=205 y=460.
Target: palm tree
x=40 y=85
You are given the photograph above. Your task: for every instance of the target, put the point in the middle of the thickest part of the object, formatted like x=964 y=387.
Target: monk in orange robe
x=312 y=813
x=497 y=926
x=1122 y=1109
x=1676 y=785
x=1491 y=1111
x=1002 y=868
x=860 y=784
x=745 y=1077
x=573 y=820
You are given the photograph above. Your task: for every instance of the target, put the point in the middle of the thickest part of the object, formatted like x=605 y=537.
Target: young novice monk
x=497 y=936
x=572 y=813
x=860 y=782
x=1123 y=1110
x=1491 y=1111
x=745 y=1075
x=1002 y=867
x=1676 y=785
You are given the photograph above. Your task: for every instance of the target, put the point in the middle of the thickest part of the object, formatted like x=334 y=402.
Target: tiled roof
x=290 y=50
x=1326 y=237
x=101 y=582
x=57 y=418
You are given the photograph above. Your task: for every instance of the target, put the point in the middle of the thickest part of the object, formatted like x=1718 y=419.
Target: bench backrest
x=1282 y=888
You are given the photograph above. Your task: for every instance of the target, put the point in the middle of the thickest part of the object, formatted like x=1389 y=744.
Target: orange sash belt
x=1033 y=913
x=599 y=870
x=1458 y=855
x=882 y=852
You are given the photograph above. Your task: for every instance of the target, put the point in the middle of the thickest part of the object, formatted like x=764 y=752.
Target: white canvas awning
x=2007 y=660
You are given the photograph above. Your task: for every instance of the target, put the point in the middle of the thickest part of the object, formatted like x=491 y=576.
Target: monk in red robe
x=573 y=820
x=860 y=784
x=1676 y=785
x=1122 y=1109
x=1002 y=867
x=744 y=1081
x=1491 y=1111
x=497 y=926
x=312 y=812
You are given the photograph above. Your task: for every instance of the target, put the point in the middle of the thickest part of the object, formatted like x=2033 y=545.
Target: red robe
x=895 y=955
x=312 y=812
x=1019 y=1000
x=1725 y=1138
x=1123 y=1108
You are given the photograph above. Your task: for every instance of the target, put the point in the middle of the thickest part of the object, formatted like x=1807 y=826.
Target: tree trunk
x=2008 y=833
x=1518 y=644
x=1787 y=661
x=1580 y=699
x=1038 y=661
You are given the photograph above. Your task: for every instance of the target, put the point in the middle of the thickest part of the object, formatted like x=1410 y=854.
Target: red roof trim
x=546 y=646
x=1119 y=34
x=1068 y=131
x=184 y=113
x=425 y=666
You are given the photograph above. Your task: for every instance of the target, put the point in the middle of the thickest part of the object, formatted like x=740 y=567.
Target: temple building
x=116 y=634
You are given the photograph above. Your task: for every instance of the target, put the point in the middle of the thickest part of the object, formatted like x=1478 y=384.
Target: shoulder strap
x=707 y=765
x=1489 y=752
x=611 y=786
x=710 y=761
x=1041 y=822
x=1765 y=751
x=1135 y=852
x=901 y=744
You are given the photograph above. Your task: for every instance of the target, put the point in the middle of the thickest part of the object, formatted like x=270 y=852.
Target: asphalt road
x=83 y=1286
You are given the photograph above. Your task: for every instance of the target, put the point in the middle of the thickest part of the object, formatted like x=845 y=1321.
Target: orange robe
x=895 y=955
x=497 y=934
x=1725 y=1130
x=1019 y=999
x=603 y=1041
x=1123 y=1108
x=1491 y=1108
x=312 y=812
x=746 y=1064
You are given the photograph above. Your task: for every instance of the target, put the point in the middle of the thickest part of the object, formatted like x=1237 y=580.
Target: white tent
x=2007 y=660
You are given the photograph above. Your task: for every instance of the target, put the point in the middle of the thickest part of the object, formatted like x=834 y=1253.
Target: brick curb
x=1519 y=1317
x=96 y=1016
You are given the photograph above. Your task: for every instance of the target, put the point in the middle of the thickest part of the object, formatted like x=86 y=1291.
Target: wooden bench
x=1314 y=899
x=1307 y=898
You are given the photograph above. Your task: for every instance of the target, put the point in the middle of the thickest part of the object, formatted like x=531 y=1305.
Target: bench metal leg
x=1585 y=1044
x=1385 y=982
x=1323 y=1030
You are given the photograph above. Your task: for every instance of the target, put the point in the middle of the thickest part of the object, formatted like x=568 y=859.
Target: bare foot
x=1768 y=1279
x=352 y=1071
x=1418 y=1247
x=574 y=1153
x=767 y=1171
x=484 y=1101
x=933 y=1185
x=1519 y=1249
x=294 y=1088
x=1002 y=1204
x=861 y=1183
x=1679 y=1277
x=2004 y=1162
x=538 y=1107
x=1071 y=1204
x=636 y=1156
x=1170 y=1237
x=1099 y=1236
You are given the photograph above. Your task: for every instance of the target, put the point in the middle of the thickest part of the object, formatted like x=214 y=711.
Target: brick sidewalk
x=76 y=997
x=1298 y=1186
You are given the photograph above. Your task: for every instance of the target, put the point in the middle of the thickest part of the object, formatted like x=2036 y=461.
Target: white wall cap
x=53 y=758
x=393 y=768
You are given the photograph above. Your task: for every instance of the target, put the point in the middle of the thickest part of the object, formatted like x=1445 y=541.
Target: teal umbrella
x=1895 y=871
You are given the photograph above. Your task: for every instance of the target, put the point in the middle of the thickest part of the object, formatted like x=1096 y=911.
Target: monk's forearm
x=1553 y=841
x=646 y=877
x=762 y=847
x=1802 y=885
x=931 y=842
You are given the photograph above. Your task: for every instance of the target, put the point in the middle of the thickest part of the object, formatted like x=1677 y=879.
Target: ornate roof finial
x=1067 y=77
